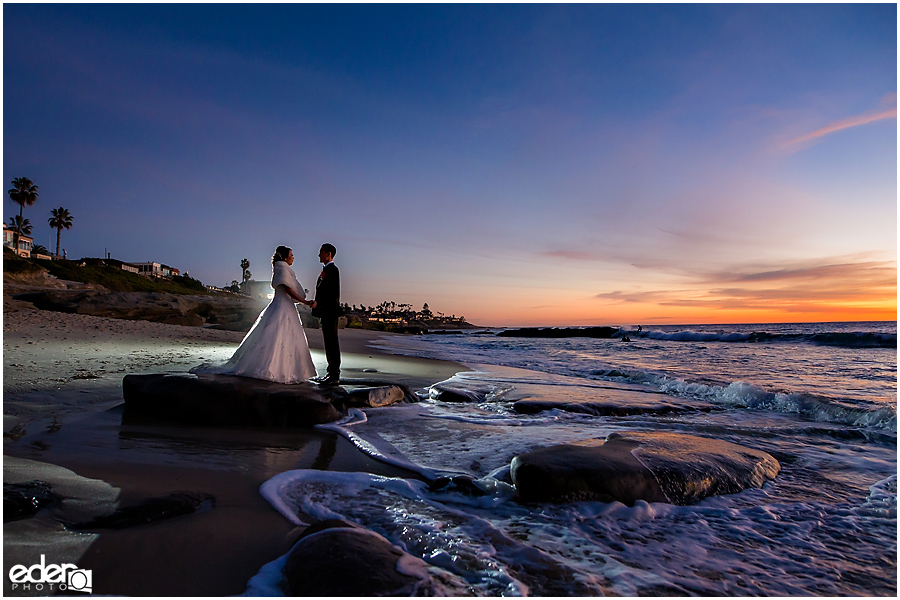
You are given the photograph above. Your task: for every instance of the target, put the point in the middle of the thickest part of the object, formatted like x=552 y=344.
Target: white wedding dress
x=275 y=348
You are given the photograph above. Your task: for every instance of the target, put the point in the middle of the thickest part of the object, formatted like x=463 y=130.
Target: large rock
x=655 y=467
x=337 y=558
x=226 y=400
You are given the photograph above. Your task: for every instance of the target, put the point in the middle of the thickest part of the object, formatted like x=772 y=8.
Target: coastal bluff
x=227 y=400
x=654 y=467
x=226 y=312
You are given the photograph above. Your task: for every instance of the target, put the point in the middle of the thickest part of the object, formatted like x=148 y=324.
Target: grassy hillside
x=112 y=278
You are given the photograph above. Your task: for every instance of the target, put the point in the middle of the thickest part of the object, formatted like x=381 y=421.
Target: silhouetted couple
x=275 y=348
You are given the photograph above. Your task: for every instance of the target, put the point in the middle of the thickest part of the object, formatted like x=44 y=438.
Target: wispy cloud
x=808 y=287
x=570 y=255
x=864 y=119
x=871 y=272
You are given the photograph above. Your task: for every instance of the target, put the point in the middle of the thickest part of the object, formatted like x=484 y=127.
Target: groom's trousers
x=332 y=347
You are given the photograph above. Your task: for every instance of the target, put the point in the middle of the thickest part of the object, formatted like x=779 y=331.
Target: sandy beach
x=63 y=423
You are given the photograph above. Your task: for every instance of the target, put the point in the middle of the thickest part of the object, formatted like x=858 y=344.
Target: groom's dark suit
x=328 y=309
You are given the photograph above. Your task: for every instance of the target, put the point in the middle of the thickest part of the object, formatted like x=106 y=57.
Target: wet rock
x=375 y=397
x=226 y=400
x=151 y=510
x=614 y=403
x=454 y=394
x=655 y=467
x=464 y=484
x=343 y=559
x=24 y=500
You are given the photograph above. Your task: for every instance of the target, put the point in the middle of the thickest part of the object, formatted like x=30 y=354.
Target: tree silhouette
x=60 y=219
x=245 y=264
x=21 y=225
x=23 y=192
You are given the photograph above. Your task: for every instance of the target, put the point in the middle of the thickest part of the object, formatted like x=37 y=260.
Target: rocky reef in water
x=557 y=332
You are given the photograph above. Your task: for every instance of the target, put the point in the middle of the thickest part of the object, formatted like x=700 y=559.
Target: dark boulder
x=654 y=467
x=337 y=558
x=151 y=510
x=226 y=400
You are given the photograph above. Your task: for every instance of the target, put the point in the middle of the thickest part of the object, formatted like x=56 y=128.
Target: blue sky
x=516 y=164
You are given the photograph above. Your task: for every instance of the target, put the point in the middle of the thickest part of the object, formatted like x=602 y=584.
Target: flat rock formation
x=227 y=312
x=338 y=558
x=654 y=467
x=614 y=403
x=556 y=332
x=227 y=400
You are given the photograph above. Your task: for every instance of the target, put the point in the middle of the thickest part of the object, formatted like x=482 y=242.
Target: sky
x=519 y=165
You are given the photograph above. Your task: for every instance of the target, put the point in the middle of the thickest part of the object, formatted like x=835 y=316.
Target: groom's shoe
x=330 y=380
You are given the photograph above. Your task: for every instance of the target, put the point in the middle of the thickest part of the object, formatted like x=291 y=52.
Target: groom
x=327 y=306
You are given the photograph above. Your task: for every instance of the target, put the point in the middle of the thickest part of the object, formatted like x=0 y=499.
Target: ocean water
x=821 y=398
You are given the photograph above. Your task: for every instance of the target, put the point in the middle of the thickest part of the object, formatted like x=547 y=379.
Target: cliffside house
x=26 y=243
x=155 y=269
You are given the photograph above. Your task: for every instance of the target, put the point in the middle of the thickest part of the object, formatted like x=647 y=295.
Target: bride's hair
x=281 y=254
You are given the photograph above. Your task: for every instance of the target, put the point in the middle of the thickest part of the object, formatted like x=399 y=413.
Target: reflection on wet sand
x=144 y=458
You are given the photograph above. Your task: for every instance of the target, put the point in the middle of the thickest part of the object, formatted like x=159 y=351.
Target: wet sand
x=62 y=378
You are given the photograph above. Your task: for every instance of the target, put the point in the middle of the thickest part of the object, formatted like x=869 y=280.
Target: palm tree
x=22 y=226
x=245 y=264
x=61 y=218
x=23 y=192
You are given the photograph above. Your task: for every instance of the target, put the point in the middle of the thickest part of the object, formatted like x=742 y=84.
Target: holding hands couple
x=276 y=348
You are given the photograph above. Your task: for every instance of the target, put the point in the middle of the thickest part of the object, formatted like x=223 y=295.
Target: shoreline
x=62 y=391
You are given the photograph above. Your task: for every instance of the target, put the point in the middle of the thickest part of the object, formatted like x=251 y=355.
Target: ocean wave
x=746 y=395
x=853 y=339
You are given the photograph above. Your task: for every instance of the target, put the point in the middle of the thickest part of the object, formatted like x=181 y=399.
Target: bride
x=275 y=348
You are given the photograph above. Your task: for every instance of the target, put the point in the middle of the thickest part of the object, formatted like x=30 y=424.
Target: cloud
x=570 y=255
x=870 y=272
x=653 y=296
x=818 y=286
x=856 y=121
